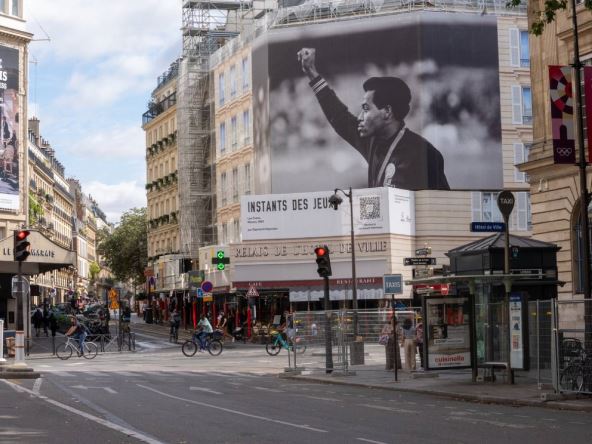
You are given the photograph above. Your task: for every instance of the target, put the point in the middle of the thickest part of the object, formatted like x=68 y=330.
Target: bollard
x=19 y=359
x=2 y=341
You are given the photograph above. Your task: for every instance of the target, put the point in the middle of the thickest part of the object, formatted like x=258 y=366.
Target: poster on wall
x=301 y=215
x=518 y=324
x=447 y=332
x=562 y=114
x=9 y=129
x=410 y=101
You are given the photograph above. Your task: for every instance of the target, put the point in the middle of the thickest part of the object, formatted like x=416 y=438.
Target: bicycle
x=577 y=374
x=277 y=342
x=212 y=344
x=65 y=350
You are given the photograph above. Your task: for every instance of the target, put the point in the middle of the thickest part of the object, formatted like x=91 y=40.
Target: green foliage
x=125 y=249
x=35 y=210
x=547 y=15
x=94 y=269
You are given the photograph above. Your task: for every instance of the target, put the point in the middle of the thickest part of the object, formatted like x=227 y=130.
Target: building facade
x=555 y=188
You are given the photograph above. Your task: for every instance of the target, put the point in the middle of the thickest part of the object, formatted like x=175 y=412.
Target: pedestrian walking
x=37 y=320
x=408 y=334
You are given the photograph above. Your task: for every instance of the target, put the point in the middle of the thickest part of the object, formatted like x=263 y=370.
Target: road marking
x=130 y=374
x=125 y=430
x=320 y=398
x=490 y=422
x=203 y=389
x=389 y=409
x=72 y=364
x=85 y=387
x=37 y=385
x=236 y=412
x=371 y=441
x=64 y=374
x=269 y=389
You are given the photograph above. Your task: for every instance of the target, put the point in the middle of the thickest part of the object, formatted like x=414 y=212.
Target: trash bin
x=356 y=352
x=148 y=315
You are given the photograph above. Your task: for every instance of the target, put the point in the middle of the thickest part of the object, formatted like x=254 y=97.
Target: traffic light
x=323 y=261
x=22 y=247
x=220 y=260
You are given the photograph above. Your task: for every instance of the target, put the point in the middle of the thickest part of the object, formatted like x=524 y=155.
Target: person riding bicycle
x=205 y=328
x=288 y=326
x=79 y=331
x=175 y=322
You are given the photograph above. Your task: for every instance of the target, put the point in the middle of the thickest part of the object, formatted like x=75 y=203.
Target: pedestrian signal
x=323 y=261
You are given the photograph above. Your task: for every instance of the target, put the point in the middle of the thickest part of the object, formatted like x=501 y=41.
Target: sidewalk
x=450 y=384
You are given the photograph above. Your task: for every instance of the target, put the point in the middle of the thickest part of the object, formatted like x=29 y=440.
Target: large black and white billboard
x=9 y=128
x=410 y=101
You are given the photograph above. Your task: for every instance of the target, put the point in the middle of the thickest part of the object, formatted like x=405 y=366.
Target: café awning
x=45 y=256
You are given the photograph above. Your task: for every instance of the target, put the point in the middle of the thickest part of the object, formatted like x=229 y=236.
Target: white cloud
x=115 y=142
x=117 y=198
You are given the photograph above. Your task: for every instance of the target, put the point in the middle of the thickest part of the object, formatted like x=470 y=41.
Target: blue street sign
x=485 y=227
x=393 y=284
x=199 y=293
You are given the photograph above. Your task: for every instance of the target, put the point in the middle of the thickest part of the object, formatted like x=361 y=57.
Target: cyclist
x=205 y=328
x=79 y=331
x=288 y=326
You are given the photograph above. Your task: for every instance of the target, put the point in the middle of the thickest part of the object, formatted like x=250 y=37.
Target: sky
x=92 y=67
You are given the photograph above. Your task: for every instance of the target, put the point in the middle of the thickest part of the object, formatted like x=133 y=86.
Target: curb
x=487 y=399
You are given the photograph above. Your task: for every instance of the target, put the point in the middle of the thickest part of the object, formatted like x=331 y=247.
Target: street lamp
x=335 y=201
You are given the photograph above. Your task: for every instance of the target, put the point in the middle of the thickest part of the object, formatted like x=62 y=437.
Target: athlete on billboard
x=396 y=156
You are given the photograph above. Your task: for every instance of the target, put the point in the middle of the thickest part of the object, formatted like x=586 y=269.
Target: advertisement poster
x=562 y=114
x=9 y=128
x=448 y=343
x=433 y=77
x=516 y=331
x=300 y=215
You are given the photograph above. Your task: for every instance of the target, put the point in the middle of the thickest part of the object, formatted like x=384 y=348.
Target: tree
x=548 y=14
x=125 y=249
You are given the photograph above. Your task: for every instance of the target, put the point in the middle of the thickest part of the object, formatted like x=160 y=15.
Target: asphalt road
x=160 y=396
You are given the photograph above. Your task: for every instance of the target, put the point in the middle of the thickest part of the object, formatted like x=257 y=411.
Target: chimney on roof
x=34 y=128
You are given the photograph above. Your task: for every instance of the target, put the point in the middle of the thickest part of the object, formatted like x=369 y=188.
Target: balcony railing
x=157 y=108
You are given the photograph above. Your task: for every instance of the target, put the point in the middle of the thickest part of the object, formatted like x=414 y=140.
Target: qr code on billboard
x=370 y=207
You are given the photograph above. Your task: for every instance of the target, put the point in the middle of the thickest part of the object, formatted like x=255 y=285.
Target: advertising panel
x=301 y=215
x=562 y=114
x=447 y=334
x=410 y=101
x=9 y=128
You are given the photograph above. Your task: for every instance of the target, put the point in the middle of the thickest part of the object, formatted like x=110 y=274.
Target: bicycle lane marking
x=236 y=412
x=126 y=431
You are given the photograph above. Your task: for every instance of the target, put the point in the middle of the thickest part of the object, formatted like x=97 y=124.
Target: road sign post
x=419 y=261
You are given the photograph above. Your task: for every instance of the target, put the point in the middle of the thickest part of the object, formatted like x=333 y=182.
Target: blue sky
x=90 y=83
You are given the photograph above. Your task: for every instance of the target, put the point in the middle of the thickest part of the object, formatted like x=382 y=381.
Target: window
x=221 y=89
x=235 y=230
x=521 y=152
x=15 y=8
x=223 y=188
x=485 y=209
x=521 y=105
x=233 y=81
x=578 y=247
x=222 y=137
x=519 y=50
x=245 y=73
x=224 y=234
x=247 y=178
x=235 y=184
x=234 y=131
x=246 y=127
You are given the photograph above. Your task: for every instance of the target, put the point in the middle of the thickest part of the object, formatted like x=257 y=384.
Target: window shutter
x=476 y=206
x=522 y=211
x=517 y=104
x=519 y=158
x=514 y=47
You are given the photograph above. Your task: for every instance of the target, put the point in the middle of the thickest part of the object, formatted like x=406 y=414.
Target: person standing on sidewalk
x=419 y=339
x=408 y=339
x=391 y=347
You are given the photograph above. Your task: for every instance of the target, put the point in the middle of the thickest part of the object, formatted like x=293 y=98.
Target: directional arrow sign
x=419 y=261
x=84 y=387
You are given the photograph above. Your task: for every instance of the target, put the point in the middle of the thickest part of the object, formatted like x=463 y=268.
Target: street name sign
x=488 y=227
x=419 y=261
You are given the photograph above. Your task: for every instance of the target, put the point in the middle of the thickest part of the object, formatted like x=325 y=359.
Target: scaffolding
x=206 y=27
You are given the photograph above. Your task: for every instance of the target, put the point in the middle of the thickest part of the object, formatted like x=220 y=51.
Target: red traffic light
x=320 y=251
x=22 y=234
